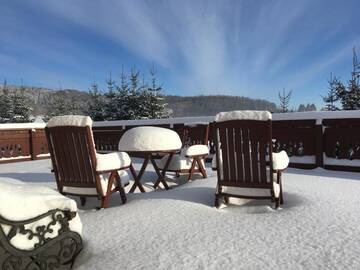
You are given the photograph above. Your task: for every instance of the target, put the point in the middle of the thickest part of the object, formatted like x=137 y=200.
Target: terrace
x=316 y=227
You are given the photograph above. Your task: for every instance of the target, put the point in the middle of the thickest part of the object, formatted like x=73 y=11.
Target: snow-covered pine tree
x=122 y=96
x=21 y=107
x=332 y=96
x=6 y=104
x=353 y=89
x=349 y=96
x=111 y=100
x=156 y=105
x=97 y=104
x=134 y=101
x=284 y=100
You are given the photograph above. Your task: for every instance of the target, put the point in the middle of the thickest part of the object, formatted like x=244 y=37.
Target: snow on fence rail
x=312 y=139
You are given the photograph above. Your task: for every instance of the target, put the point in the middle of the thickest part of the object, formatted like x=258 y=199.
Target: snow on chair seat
x=112 y=161
x=196 y=150
x=104 y=178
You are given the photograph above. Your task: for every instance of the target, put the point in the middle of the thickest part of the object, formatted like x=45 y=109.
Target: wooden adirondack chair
x=191 y=160
x=78 y=169
x=245 y=164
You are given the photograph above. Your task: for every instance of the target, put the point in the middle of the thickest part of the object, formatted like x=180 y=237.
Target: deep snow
x=317 y=227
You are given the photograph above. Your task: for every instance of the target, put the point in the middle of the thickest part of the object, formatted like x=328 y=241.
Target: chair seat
x=197 y=150
x=280 y=161
x=104 y=178
x=112 y=161
x=178 y=163
x=251 y=192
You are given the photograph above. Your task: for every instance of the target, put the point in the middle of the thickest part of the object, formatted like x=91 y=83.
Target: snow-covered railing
x=20 y=142
x=312 y=139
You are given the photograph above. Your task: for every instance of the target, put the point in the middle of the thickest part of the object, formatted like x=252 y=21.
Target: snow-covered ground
x=318 y=227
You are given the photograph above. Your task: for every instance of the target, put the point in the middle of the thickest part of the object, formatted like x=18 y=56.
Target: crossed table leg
x=161 y=173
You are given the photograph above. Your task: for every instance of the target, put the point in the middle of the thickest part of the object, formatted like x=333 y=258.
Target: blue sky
x=250 y=48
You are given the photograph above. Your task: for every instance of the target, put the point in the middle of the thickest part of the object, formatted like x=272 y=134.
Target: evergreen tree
x=349 y=95
x=21 y=107
x=332 y=96
x=6 y=105
x=134 y=101
x=97 y=104
x=353 y=89
x=301 y=108
x=157 y=107
x=122 y=98
x=59 y=106
x=111 y=100
x=284 y=100
x=310 y=107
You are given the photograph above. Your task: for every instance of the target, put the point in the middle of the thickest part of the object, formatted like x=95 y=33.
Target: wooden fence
x=322 y=139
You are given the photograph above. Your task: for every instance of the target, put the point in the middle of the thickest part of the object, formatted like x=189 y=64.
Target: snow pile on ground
x=317 y=227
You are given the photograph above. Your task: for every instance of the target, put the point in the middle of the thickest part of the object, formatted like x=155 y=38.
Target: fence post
x=319 y=145
x=32 y=144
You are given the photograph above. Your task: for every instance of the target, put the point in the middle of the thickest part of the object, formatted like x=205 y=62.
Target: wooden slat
x=231 y=153
x=224 y=151
x=254 y=155
x=239 y=155
x=246 y=152
x=75 y=157
x=262 y=161
x=86 y=158
x=59 y=156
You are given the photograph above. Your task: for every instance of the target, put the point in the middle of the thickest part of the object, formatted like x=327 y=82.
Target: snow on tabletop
x=149 y=139
x=316 y=228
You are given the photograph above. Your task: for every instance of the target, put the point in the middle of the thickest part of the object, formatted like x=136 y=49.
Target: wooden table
x=146 y=142
x=161 y=173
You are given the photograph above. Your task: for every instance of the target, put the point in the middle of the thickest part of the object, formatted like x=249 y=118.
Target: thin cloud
x=249 y=48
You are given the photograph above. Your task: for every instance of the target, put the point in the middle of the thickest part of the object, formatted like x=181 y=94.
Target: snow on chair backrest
x=244 y=138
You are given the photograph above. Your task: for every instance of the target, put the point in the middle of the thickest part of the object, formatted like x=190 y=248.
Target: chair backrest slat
x=231 y=153
x=262 y=161
x=224 y=151
x=246 y=154
x=254 y=144
x=243 y=146
x=238 y=153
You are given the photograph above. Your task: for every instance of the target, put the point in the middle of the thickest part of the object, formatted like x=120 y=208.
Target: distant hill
x=211 y=105
x=41 y=100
